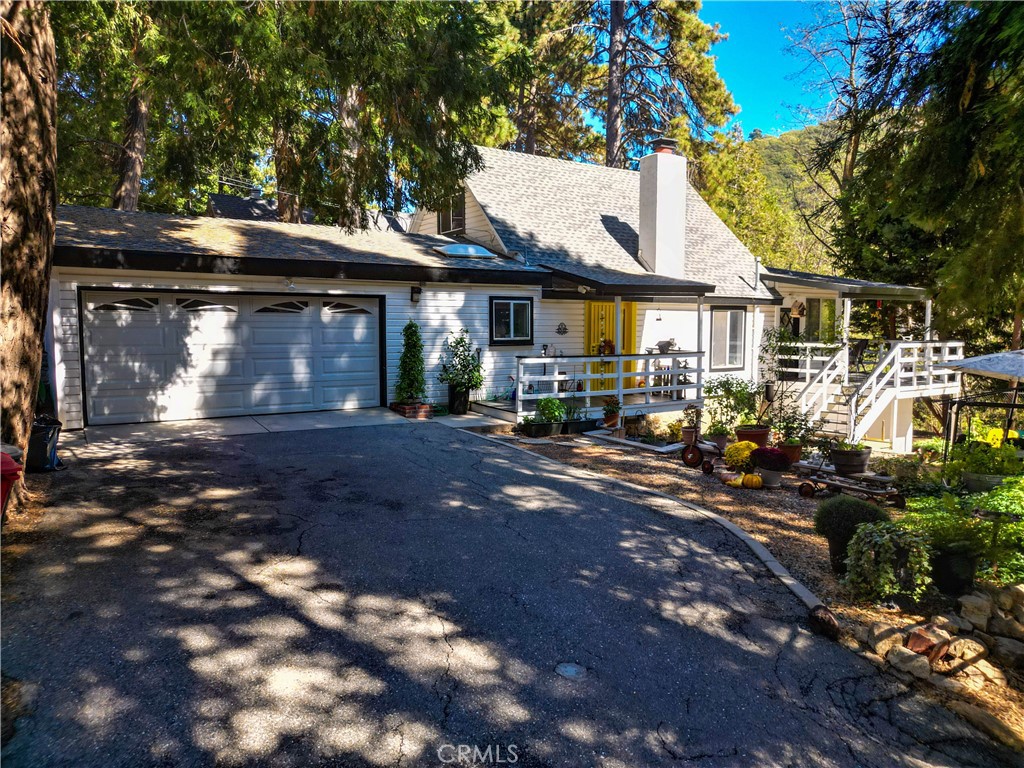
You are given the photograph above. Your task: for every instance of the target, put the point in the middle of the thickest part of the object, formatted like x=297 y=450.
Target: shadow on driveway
x=363 y=597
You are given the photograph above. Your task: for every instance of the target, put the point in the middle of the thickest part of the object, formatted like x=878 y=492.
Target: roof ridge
x=576 y=163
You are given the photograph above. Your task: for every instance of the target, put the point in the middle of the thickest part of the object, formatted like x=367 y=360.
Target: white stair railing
x=907 y=367
x=816 y=397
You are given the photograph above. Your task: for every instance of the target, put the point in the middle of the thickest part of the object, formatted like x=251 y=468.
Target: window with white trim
x=511 y=321
x=728 y=329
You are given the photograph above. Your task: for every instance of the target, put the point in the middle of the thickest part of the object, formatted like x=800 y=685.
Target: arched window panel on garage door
x=128 y=304
x=207 y=305
x=343 y=308
x=293 y=307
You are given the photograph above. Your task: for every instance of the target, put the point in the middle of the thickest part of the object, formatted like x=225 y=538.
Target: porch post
x=700 y=348
x=927 y=338
x=847 y=306
x=618 y=349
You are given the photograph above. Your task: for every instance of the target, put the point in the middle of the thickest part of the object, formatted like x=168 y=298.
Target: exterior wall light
x=415 y=292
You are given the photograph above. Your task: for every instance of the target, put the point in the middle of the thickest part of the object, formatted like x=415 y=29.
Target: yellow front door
x=600 y=316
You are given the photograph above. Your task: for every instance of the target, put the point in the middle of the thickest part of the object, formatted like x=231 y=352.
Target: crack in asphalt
x=448 y=696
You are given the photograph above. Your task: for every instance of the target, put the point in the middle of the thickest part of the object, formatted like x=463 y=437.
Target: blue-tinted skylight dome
x=464 y=251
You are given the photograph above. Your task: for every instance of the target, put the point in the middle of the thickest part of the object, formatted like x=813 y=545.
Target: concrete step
x=494 y=411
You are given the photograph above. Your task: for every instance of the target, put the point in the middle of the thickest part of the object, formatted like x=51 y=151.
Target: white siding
x=681 y=324
x=442 y=308
x=478 y=226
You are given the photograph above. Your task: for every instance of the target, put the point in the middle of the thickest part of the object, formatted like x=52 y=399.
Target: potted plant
x=549 y=420
x=755 y=418
x=737 y=455
x=734 y=400
x=837 y=519
x=982 y=466
x=793 y=428
x=411 y=386
x=612 y=408
x=689 y=425
x=462 y=371
x=718 y=433
x=574 y=422
x=770 y=464
x=849 y=458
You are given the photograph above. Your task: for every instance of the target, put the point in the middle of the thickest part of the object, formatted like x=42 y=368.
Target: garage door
x=161 y=356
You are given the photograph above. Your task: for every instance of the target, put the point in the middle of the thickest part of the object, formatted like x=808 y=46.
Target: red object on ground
x=9 y=472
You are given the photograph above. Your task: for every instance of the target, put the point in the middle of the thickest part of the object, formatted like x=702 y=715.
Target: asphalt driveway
x=380 y=596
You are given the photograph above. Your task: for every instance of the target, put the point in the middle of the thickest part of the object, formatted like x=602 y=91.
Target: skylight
x=464 y=251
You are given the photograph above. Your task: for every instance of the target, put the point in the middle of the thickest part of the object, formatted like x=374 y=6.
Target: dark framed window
x=452 y=219
x=511 y=321
x=728 y=334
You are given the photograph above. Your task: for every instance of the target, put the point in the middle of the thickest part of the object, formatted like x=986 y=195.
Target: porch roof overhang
x=598 y=281
x=847 y=287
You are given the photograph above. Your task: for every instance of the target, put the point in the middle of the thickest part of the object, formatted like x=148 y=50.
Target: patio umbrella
x=1001 y=365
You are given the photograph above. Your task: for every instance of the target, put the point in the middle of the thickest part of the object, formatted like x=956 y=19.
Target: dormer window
x=452 y=219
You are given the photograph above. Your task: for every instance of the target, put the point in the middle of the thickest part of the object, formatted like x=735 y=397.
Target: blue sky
x=755 y=64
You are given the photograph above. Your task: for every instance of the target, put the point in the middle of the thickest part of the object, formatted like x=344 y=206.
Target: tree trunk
x=351 y=212
x=613 y=111
x=286 y=168
x=133 y=152
x=28 y=160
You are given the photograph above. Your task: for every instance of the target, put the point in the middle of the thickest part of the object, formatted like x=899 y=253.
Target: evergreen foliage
x=412 y=381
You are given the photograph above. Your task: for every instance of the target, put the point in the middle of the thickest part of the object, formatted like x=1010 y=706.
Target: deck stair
x=848 y=403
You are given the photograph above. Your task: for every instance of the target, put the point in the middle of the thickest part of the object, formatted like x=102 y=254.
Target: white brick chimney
x=663 y=209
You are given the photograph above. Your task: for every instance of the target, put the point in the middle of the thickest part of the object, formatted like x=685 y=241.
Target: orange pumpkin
x=752 y=481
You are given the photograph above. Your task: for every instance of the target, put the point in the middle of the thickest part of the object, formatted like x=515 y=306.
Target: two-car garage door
x=152 y=356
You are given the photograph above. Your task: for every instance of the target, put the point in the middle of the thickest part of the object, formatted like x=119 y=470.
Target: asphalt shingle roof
x=107 y=228
x=836 y=282
x=584 y=219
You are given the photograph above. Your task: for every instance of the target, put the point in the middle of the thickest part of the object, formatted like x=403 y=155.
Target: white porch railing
x=804 y=360
x=648 y=383
x=905 y=368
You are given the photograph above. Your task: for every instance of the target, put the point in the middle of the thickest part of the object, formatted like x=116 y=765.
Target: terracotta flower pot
x=757 y=435
x=611 y=420
x=793 y=452
x=720 y=440
x=688 y=435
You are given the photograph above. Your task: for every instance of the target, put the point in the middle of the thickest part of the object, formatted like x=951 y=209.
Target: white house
x=574 y=280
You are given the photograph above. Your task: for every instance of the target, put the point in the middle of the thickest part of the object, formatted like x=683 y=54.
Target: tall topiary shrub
x=412 y=378
x=837 y=519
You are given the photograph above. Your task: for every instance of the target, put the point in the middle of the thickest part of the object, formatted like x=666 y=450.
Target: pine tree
x=28 y=155
x=411 y=386
x=659 y=77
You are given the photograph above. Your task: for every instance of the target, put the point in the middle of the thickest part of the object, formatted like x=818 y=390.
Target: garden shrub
x=983 y=459
x=837 y=519
x=550 y=409
x=950 y=519
x=885 y=560
x=738 y=455
x=412 y=381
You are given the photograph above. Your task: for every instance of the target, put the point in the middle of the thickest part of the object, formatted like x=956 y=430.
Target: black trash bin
x=42 y=445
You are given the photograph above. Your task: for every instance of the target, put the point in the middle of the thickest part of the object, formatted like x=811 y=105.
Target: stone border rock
x=802 y=593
